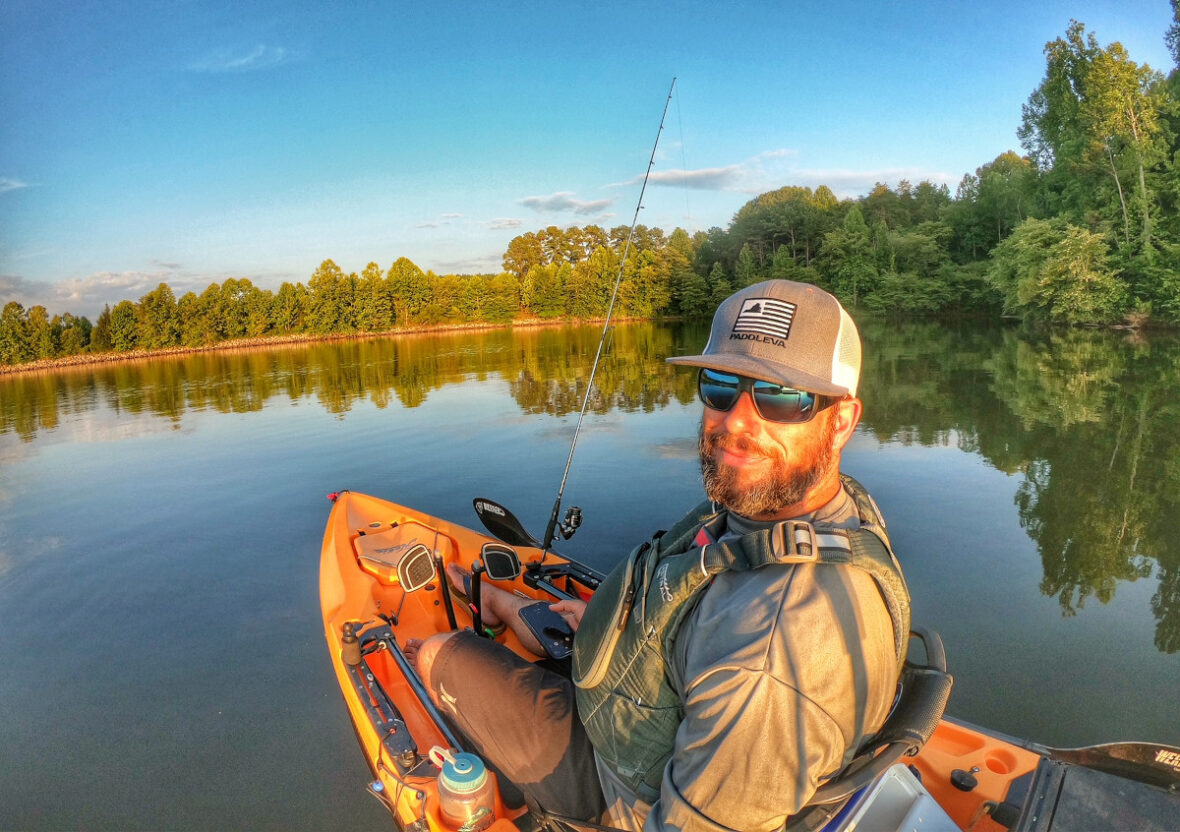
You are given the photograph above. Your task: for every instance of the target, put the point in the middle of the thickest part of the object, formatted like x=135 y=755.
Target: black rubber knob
x=964 y=781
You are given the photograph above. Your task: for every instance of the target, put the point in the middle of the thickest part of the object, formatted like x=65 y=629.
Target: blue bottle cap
x=466 y=773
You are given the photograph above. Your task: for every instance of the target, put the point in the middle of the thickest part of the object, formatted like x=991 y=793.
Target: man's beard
x=778 y=489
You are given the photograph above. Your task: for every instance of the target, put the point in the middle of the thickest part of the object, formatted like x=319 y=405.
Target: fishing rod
x=574 y=516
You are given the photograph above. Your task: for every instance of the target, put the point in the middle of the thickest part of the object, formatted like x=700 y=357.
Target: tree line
x=1082 y=229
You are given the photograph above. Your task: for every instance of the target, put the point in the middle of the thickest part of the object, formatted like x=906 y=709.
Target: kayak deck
x=359 y=586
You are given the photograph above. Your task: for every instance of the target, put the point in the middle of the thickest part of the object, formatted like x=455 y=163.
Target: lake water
x=163 y=662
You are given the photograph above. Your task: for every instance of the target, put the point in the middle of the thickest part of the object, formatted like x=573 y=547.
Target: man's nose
x=743 y=416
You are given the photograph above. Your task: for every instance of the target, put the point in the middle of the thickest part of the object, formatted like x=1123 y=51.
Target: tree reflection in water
x=1089 y=419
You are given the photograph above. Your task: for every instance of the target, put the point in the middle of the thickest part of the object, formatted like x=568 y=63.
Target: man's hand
x=571 y=611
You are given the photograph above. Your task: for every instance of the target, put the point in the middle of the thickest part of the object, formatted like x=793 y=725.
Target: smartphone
x=550 y=628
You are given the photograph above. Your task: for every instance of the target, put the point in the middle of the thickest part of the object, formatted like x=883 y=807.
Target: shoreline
x=88 y=360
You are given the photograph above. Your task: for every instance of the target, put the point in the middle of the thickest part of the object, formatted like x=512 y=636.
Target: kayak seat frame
x=924 y=690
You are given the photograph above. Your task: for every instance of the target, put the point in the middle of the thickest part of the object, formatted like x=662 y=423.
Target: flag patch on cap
x=765 y=316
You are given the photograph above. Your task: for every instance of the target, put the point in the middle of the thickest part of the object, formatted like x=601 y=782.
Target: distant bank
x=241 y=344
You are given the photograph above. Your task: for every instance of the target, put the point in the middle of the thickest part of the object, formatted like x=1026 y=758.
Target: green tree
x=159 y=322
x=330 y=303
x=100 y=336
x=971 y=232
x=712 y=247
x=746 y=268
x=502 y=301
x=927 y=202
x=1058 y=271
x=591 y=283
x=473 y=295
x=409 y=290
x=256 y=303
x=543 y=291
x=124 y=326
x=1094 y=116
x=444 y=303
x=42 y=338
x=289 y=308
x=190 y=312
x=644 y=290
x=719 y=286
x=848 y=258
x=795 y=217
x=1123 y=113
x=374 y=306
x=885 y=205
x=75 y=333
x=16 y=345
x=682 y=280
x=1172 y=38
x=523 y=253
x=694 y=299
x=1002 y=200
x=236 y=302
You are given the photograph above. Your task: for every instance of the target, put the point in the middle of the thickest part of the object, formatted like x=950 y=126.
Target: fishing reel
x=571 y=522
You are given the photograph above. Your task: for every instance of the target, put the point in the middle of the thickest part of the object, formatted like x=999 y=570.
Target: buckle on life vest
x=795 y=541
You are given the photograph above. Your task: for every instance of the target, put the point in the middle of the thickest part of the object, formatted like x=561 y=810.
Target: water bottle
x=466 y=796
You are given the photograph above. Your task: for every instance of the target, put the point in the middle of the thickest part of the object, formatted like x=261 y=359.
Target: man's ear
x=845 y=418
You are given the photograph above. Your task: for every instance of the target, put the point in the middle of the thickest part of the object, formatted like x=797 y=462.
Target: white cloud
x=488 y=264
x=564 y=201
x=847 y=183
x=504 y=224
x=253 y=60
x=87 y=295
x=84 y=295
x=705 y=179
x=747 y=176
x=773 y=169
x=443 y=220
x=7 y=184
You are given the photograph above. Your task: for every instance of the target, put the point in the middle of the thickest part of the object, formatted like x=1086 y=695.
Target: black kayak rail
x=382 y=638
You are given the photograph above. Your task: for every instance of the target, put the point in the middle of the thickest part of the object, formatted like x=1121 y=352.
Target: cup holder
x=1000 y=761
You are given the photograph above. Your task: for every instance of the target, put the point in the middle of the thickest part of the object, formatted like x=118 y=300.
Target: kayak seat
x=378 y=550
x=924 y=690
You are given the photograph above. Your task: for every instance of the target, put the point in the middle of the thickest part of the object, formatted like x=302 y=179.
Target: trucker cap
x=790 y=333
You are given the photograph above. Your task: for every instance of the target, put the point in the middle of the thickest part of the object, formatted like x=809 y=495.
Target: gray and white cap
x=794 y=334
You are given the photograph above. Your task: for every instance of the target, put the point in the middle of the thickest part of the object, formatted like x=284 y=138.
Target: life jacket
x=625 y=699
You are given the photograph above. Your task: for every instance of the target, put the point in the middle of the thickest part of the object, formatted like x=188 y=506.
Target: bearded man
x=731 y=664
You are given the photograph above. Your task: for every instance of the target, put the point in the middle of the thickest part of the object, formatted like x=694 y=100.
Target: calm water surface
x=160 y=525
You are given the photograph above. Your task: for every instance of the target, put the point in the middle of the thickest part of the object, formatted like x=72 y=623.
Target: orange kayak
x=381 y=584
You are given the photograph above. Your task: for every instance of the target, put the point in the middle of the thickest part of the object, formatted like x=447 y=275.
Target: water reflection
x=545 y=368
x=1089 y=420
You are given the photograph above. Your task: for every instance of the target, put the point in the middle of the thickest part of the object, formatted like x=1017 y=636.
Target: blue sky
x=190 y=142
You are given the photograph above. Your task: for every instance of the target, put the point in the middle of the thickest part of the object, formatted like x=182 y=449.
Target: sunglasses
x=774 y=403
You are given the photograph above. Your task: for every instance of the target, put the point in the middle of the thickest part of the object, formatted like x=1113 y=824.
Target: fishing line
x=683 y=164
x=551 y=529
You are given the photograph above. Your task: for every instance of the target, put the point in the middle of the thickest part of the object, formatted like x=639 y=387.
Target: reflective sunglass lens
x=719 y=390
x=783 y=404
x=773 y=402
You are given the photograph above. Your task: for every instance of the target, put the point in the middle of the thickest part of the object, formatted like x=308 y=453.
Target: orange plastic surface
x=955 y=746
x=358 y=582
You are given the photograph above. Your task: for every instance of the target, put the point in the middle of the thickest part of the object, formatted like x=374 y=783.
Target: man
x=730 y=664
